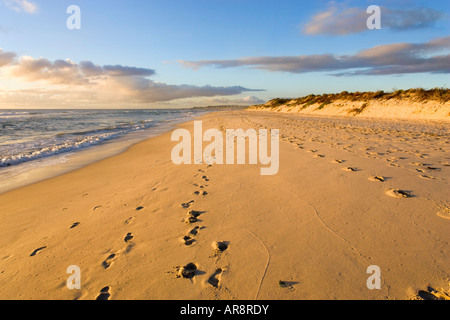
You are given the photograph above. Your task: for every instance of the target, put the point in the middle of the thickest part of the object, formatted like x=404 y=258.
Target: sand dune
x=413 y=104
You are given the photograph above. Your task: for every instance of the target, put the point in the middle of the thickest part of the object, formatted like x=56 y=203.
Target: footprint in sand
x=220 y=246
x=108 y=262
x=432 y=294
x=194 y=231
x=424 y=176
x=214 y=279
x=350 y=169
x=139 y=208
x=128 y=237
x=130 y=245
x=203 y=193
x=319 y=156
x=397 y=193
x=205 y=178
x=418 y=164
x=394 y=165
x=444 y=212
x=191 y=219
x=377 y=178
x=193 y=216
x=35 y=252
x=188 y=240
x=129 y=220
x=338 y=161
x=104 y=294
x=188 y=271
x=187 y=204
x=76 y=224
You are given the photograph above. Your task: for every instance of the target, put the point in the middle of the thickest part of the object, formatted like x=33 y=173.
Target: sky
x=178 y=53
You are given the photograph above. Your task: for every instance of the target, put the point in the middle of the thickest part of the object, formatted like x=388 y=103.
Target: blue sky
x=208 y=52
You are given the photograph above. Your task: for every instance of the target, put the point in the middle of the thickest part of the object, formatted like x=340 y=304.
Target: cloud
x=54 y=72
x=338 y=20
x=249 y=100
x=21 y=6
x=68 y=72
x=408 y=19
x=252 y=100
x=102 y=83
x=397 y=58
x=6 y=58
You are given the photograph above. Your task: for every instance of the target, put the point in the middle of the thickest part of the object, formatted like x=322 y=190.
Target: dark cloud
x=155 y=92
x=338 y=20
x=123 y=71
x=408 y=19
x=91 y=69
x=397 y=58
x=249 y=100
x=438 y=64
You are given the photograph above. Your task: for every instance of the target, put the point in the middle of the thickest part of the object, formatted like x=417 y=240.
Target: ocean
x=31 y=140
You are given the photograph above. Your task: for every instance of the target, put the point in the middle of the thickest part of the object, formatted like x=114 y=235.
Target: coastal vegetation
x=441 y=95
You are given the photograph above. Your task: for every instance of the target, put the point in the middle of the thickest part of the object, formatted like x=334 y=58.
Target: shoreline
x=63 y=163
x=315 y=226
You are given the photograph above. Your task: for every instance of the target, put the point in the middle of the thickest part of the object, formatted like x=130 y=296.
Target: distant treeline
x=421 y=95
x=221 y=107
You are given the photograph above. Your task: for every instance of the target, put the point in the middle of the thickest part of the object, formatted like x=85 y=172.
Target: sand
x=350 y=193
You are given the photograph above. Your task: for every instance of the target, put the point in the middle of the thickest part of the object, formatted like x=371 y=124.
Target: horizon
x=174 y=54
x=227 y=105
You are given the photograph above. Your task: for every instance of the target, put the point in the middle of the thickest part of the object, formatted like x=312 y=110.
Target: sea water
x=38 y=144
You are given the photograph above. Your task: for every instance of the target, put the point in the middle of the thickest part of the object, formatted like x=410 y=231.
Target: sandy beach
x=350 y=193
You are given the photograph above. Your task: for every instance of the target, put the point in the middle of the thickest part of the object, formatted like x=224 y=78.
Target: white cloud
x=21 y=6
